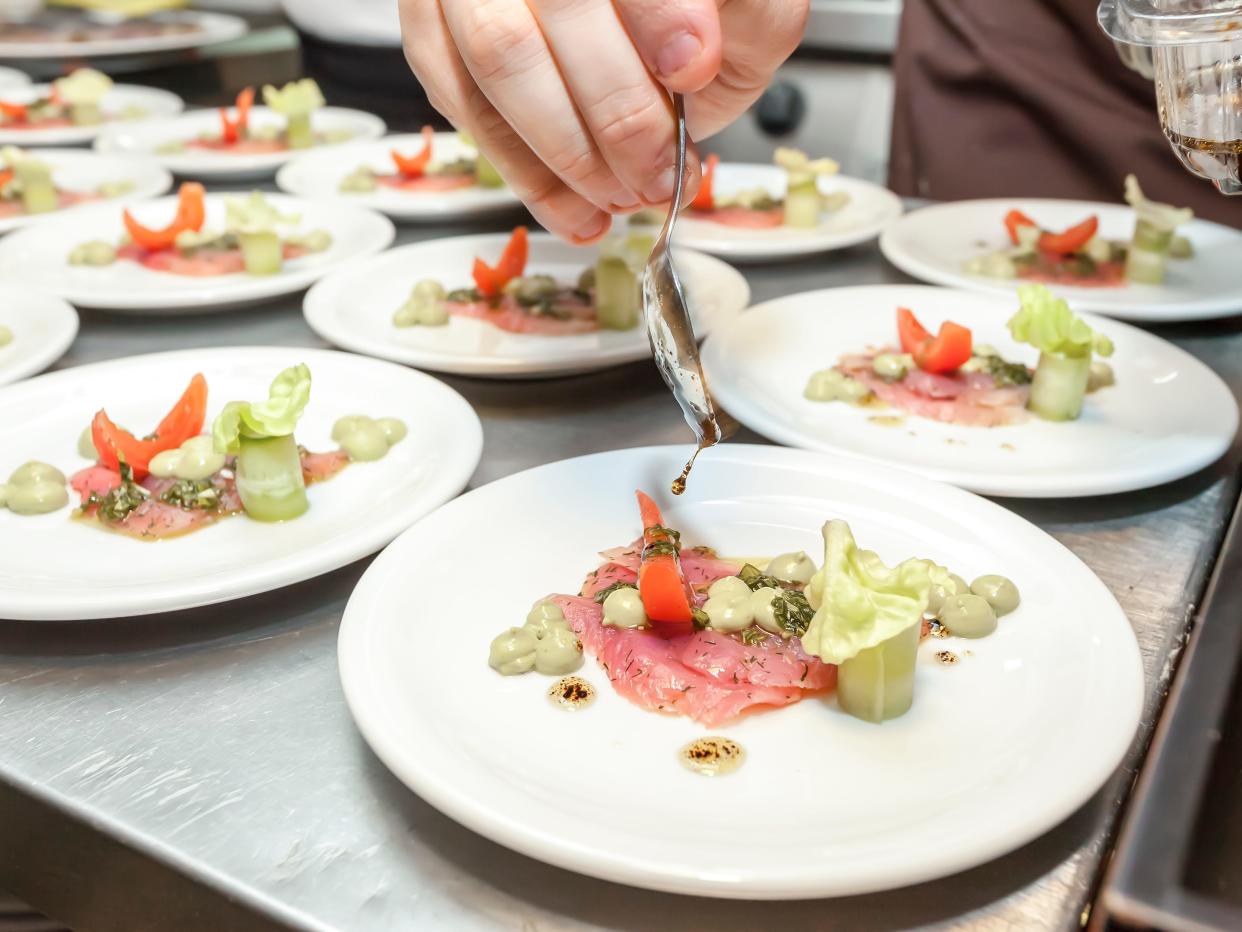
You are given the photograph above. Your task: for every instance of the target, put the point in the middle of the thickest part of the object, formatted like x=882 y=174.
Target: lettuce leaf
x=1163 y=217
x=1047 y=323
x=274 y=417
x=861 y=603
x=295 y=98
x=83 y=88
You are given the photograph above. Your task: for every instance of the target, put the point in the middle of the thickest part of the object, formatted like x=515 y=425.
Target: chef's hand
x=567 y=97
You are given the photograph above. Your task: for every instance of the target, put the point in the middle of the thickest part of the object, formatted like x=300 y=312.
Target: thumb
x=679 y=40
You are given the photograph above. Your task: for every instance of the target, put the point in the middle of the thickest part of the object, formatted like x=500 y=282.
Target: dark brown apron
x=1011 y=98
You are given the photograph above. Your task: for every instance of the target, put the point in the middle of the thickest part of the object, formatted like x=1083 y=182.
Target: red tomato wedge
x=6 y=175
x=1015 y=219
x=946 y=351
x=184 y=421
x=414 y=166
x=191 y=212
x=911 y=332
x=14 y=111
x=705 y=199
x=1071 y=240
x=231 y=130
x=667 y=596
x=492 y=280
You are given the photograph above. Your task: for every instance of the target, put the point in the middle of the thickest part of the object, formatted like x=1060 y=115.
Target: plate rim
x=358 y=691
x=227 y=27
x=66 y=332
x=368 y=540
x=318 y=306
x=994 y=484
x=1207 y=308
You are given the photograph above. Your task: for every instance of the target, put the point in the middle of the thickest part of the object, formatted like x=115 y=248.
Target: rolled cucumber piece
x=803 y=204
x=38 y=191
x=269 y=478
x=878 y=683
x=618 y=294
x=1149 y=252
x=1059 y=386
x=262 y=253
x=298 y=132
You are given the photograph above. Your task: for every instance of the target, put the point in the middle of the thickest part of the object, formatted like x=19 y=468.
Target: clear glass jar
x=1193 y=51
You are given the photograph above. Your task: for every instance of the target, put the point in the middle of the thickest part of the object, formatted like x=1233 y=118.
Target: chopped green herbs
x=117 y=504
x=753 y=636
x=700 y=618
x=193 y=494
x=1007 y=373
x=792 y=611
x=751 y=575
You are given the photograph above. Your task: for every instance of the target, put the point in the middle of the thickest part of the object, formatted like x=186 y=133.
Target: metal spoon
x=668 y=322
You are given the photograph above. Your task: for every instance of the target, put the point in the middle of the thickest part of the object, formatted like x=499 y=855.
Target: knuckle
x=629 y=120
x=497 y=39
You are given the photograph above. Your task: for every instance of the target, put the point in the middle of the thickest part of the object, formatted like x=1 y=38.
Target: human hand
x=568 y=98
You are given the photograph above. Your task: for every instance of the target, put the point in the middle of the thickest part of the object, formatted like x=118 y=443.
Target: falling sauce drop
x=679 y=484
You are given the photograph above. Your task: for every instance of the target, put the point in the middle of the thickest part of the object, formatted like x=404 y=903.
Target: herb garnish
x=117 y=504
x=193 y=494
x=1007 y=373
x=753 y=636
x=605 y=593
x=700 y=618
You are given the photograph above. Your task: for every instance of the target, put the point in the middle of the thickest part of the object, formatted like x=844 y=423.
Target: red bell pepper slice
x=1072 y=240
x=491 y=280
x=191 y=212
x=232 y=129
x=19 y=113
x=704 y=199
x=1015 y=219
x=184 y=421
x=948 y=350
x=667 y=597
x=415 y=166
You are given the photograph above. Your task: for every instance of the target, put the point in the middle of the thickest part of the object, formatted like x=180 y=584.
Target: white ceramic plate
x=146 y=139
x=83 y=172
x=1167 y=416
x=870 y=210
x=997 y=749
x=11 y=77
x=317 y=175
x=38 y=256
x=933 y=243
x=43 y=328
x=354 y=309
x=59 y=568
x=210 y=28
x=154 y=103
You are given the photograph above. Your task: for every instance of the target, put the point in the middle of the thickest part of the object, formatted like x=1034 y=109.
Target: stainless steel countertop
x=199 y=770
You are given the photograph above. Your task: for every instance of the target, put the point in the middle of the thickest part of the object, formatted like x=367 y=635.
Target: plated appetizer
x=947 y=377
x=1053 y=693
x=508 y=306
x=296 y=102
x=802 y=206
x=677 y=629
x=176 y=479
x=1080 y=256
x=607 y=295
x=251 y=240
x=75 y=100
x=28 y=186
x=420 y=173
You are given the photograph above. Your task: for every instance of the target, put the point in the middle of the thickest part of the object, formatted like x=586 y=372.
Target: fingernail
x=593 y=227
x=661 y=189
x=677 y=53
